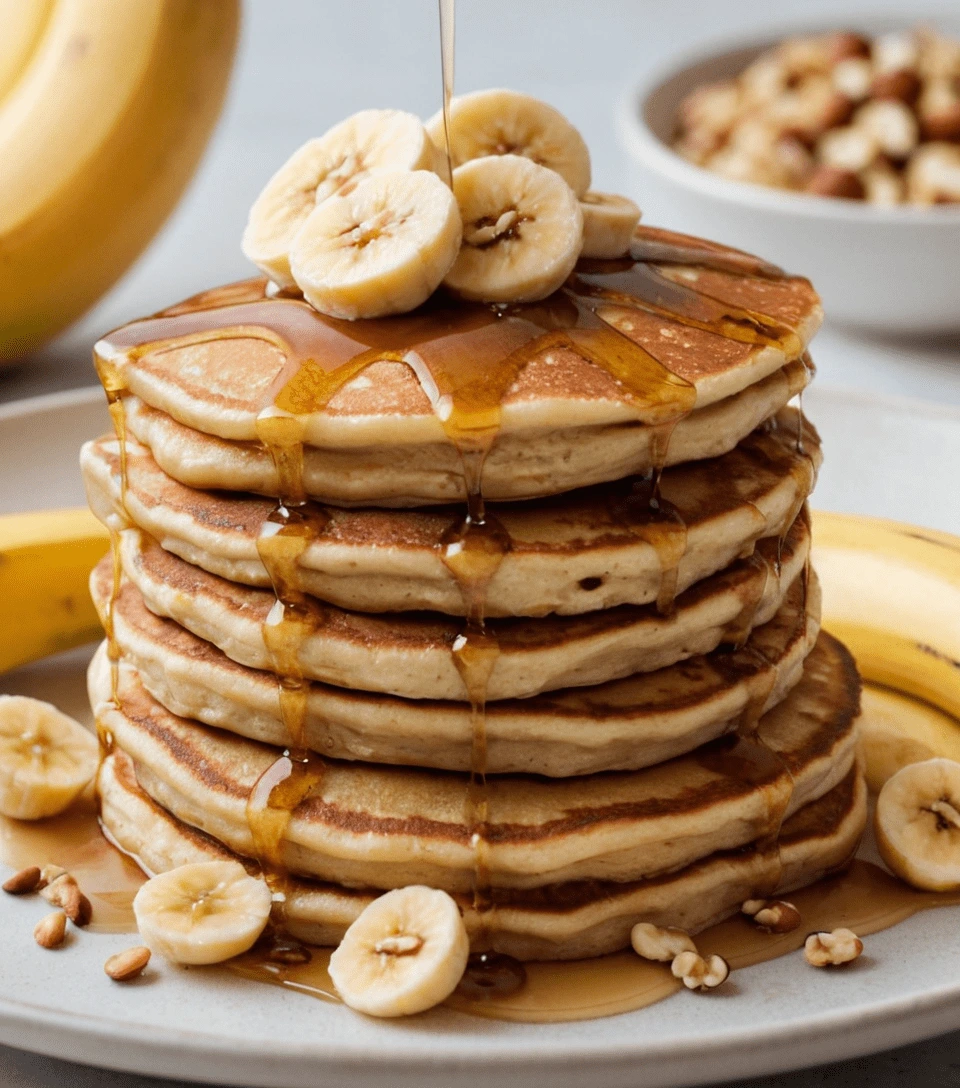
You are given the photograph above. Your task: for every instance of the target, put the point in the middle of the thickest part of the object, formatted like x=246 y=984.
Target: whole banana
x=891 y=592
x=105 y=109
x=45 y=564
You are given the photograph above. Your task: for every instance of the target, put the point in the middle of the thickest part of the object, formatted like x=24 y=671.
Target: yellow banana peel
x=105 y=109
x=45 y=564
x=891 y=592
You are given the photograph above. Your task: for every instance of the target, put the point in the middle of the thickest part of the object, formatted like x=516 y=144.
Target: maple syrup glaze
x=113 y=386
x=284 y=537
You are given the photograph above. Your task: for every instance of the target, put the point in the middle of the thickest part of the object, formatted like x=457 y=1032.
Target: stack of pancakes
x=662 y=730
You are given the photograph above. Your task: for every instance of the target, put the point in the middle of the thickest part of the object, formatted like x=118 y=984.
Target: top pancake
x=219 y=382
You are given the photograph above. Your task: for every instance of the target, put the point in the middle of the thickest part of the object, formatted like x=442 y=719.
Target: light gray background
x=305 y=64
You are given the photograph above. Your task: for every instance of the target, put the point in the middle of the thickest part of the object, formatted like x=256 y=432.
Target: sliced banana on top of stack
x=500 y=122
x=522 y=230
x=367 y=142
x=361 y=222
x=381 y=248
x=609 y=221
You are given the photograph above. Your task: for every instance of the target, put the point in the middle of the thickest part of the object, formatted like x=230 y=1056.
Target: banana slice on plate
x=405 y=953
x=609 y=221
x=917 y=824
x=522 y=230
x=382 y=248
x=500 y=122
x=206 y=912
x=46 y=758
x=369 y=141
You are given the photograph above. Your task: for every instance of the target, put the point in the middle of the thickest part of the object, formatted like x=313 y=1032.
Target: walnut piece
x=701 y=973
x=773 y=915
x=832 y=949
x=660 y=943
x=64 y=892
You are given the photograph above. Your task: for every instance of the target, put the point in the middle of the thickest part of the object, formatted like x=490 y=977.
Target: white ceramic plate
x=884 y=456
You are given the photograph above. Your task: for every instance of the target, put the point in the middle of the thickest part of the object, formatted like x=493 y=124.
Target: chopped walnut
x=773 y=915
x=660 y=943
x=836 y=115
x=832 y=949
x=697 y=972
x=933 y=174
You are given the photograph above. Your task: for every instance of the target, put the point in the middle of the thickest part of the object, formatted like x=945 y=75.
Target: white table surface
x=305 y=64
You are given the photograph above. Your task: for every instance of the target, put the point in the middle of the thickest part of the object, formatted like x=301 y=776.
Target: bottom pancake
x=560 y=922
x=368 y=825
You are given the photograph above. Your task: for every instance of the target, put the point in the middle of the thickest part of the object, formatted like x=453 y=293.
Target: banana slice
x=405 y=953
x=46 y=758
x=522 y=230
x=499 y=122
x=609 y=221
x=206 y=912
x=917 y=824
x=370 y=140
x=383 y=248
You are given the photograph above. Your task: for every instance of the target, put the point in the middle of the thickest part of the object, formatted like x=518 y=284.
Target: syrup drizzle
x=110 y=377
x=285 y=535
x=447 y=54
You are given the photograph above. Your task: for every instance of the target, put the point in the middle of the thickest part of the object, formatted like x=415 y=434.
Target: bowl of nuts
x=834 y=152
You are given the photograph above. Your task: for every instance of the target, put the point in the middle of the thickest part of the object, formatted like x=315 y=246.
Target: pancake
x=582 y=552
x=519 y=466
x=622 y=725
x=375 y=826
x=244 y=346
x=409 y=654
x=561 y=922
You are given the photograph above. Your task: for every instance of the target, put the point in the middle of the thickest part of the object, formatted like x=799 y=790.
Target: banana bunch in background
x=45 y=563
x=105 y=109
x=891 y=592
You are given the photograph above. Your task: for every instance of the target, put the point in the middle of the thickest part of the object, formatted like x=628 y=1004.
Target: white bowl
x=894 y=270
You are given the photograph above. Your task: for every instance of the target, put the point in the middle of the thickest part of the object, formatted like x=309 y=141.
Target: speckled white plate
x=888 y=457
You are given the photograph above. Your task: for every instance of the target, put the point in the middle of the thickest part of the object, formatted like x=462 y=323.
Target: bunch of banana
x=105 y=109
x=360 y=220
x=45 y=564
x=891 y=592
